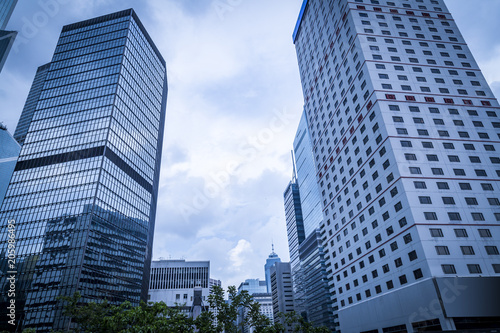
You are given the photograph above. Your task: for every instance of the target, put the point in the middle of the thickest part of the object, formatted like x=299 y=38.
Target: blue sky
x=234 y=104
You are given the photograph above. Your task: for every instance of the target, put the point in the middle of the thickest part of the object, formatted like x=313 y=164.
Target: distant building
x=181 y=283
x=9 y=152
x=258 y=289
x=6 y=37
x=282 y=290
x=273 y=257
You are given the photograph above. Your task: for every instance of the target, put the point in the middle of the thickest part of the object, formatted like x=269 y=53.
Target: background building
x=273 y=257
x=176 y=281
x=303 y=217
x=404 y=132
x=282 y=290
x=6 y=37
x=84 y=189
x=258 y=289
x=9 y=152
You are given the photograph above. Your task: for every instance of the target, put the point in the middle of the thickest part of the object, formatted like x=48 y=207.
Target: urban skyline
x=242 y=248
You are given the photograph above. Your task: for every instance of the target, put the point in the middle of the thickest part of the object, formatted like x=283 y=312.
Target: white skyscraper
x=406 y=140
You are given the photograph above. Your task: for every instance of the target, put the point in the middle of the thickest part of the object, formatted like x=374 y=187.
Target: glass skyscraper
x=6 y=37
x=84 y=190
x=306 y=253
x=30 y=105
x=9 y=152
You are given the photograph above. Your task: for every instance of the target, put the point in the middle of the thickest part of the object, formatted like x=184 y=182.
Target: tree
x=104 y=317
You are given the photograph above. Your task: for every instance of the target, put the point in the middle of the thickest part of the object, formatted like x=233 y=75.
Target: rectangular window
x=474 y=269
x=436 y=232
x=442 y=250
x=467 y=250
x=461 y=233
x=448 y=269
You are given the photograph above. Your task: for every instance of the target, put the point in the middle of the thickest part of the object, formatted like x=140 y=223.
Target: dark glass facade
x=84 y=190
x=30 y=105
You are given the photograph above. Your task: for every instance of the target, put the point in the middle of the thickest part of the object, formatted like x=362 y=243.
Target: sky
x=233 y=107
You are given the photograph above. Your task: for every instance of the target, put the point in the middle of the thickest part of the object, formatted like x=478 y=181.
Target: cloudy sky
x=233 y=107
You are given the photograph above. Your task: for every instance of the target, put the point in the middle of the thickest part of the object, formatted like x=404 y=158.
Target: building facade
x=9 y=152
x=405 y=132
x=273 y=258
x=84 y=190
x=258 y=289
x=175 y=283
x=6 y=37
x=302 y=227
x=282 y=291
x=31 y=102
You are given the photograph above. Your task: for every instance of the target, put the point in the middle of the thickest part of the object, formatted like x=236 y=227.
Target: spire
x=294 y=173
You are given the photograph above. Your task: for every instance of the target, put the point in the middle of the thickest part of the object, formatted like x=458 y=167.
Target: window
x=390 y=284
x=443 y=186
x=484 y=232
x=454 y=216
x=418 y=274
x=436 y=232
x=448 y=200
x=420 y=185
x=448 y=269
x=442 y=250
x=407 y=238
x=477 y=216
x=474 y=269
x=430 y=216
x=412 y=255
x=415 y=170
x=425 y=200
x=467 y=250
x=471 y=201
x=461 y=233
x=402 y=279
x=491 y=250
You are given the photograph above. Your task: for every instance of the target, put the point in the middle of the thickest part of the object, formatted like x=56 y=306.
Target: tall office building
x=9 y=152
x=6 y=37
x=282 y=291
x=84 y=190
x=307 y=258
x=294 y=220
x=405 y=136
x=273 y=257
x=30 y=105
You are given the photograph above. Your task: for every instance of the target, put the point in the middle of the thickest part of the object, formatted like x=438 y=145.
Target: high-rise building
x=30 y=105
x=9 y=152
x=282 y=291
x=273 y=257
x=6 y=37
x=405 y=137
x=84 y=190
x=174 y=282
x=294 y=220
x=303 y=221
x=6 y=9
x=258 y=290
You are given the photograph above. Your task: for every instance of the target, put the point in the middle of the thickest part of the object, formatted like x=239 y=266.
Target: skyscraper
x=6 y=37
x=306 y=253
x=9 y=151
x=30 y=105
x=282 y=291
x=84 y=190
x=404 y=132
x=273 y=258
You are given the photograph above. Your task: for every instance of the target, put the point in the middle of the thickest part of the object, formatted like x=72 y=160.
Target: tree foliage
x=159 y=318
